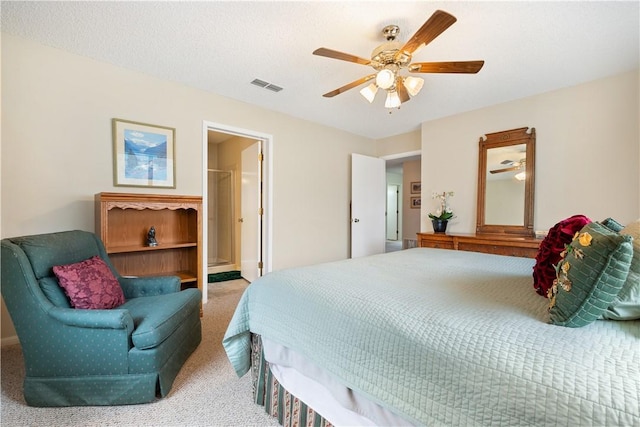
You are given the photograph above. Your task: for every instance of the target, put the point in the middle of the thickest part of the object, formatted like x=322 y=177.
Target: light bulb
x=385 y=79
x=369 y=92
x=413 y=84
x=521 y=176
x=393 y=100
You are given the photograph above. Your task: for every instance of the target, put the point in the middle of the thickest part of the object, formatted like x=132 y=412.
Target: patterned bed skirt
x=277 y=401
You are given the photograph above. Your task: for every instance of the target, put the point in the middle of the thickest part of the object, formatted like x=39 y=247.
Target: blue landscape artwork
x=145 y=155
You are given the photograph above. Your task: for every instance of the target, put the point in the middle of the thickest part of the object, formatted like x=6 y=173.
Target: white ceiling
x=528 y=47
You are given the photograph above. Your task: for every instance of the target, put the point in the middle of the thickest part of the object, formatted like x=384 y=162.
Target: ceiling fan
x=511 y=166
x=391 y=57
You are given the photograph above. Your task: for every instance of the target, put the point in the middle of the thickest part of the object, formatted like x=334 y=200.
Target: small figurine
x=151 y=237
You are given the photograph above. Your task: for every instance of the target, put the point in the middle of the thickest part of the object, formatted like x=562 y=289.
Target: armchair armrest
x=134 y=287
x=93 y=319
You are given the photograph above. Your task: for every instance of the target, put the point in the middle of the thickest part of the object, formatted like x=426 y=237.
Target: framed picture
x=416 y=187
x=416 y=203
x=143 y=155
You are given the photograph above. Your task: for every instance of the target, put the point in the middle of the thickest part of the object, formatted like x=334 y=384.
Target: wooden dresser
x=487 y=243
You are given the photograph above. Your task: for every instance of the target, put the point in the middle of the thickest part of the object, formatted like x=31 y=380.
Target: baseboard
x=9 y=341
x=409 y=243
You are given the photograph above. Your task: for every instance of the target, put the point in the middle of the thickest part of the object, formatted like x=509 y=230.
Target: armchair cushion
x=47 y=250
x=94 y=319
x=157 y=317
x=90 y=284
x=134 y=287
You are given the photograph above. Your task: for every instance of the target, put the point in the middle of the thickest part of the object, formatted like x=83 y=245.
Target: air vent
x=259 y=82
x=273 y=88
x=266 y=85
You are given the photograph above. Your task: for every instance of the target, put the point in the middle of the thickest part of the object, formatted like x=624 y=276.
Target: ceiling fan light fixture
x=393 y=100
x=369 y=92
x=385 y=78
x=413 y=85
x=392 y=57
x=520 y=176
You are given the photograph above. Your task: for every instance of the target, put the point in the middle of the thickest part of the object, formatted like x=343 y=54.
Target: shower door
x=220 y=221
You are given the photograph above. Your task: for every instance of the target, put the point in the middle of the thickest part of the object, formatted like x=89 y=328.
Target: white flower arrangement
x=444 y=211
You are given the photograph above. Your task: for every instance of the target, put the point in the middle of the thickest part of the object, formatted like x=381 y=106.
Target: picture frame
x=416 y=202
x=143 y=155
x=416 y=187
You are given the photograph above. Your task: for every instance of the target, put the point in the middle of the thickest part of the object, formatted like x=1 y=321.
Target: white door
x=250 y=204
x=368 y=199
x=392 y=211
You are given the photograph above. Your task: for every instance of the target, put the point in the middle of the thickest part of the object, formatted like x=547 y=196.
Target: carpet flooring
x=393 y=245
x=206 y=392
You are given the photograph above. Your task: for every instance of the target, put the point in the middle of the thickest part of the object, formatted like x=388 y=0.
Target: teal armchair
x=126 y=355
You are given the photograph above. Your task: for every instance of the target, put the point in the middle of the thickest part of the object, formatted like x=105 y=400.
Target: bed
x=428 y=337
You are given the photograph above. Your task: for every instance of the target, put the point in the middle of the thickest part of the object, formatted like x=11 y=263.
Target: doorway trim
x=402 y=155
x=267 y=191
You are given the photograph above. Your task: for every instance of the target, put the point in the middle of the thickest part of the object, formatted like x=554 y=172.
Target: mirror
x=506 y=176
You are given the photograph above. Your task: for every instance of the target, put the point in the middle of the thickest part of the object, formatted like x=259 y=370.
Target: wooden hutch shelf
x=160 y=247
x=123 y=221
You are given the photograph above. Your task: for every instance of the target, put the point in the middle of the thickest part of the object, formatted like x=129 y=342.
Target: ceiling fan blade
x=469 y=67
x=329 y=53
x=431 y=29
x=348 y=86
x=403 y=94
x=514 y=168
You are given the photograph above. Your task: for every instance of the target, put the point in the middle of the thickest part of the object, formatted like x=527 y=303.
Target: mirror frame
x=504 y=139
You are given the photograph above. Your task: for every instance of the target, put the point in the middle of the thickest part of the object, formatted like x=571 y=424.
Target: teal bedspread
x=447 y=338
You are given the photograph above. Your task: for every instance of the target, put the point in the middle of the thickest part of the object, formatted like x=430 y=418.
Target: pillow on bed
x=548 y=256
x=612 y=225
x=593 y=270
x=90 y=284
x=626 y=306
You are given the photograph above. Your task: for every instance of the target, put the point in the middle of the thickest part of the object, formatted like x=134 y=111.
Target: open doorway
x=225 y=223
x=403 y=173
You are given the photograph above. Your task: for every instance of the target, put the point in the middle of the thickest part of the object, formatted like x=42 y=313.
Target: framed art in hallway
x=143 y=155
x=416 y=187
x=416 y=202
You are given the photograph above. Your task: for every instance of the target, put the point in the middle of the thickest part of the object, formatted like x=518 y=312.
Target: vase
x=439 y=225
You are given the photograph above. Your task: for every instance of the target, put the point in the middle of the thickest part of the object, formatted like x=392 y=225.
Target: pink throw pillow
x=90 y=284
x=561 y=234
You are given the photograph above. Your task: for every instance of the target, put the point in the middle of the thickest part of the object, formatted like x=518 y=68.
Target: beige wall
x=405 y=143
x=587 y=153
x=57 y=150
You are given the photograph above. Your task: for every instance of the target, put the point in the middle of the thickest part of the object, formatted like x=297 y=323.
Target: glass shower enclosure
x=220 y=218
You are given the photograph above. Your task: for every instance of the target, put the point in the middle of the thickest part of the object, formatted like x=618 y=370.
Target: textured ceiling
x=528 y=48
